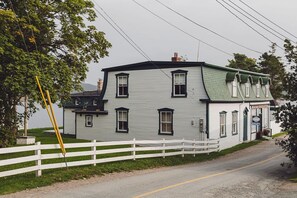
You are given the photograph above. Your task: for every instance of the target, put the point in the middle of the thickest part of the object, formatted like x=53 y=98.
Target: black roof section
x=153 y=65
x=86 y=93
x=169 y=64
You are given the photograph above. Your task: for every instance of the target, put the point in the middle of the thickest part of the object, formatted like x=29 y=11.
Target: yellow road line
x=206 y=177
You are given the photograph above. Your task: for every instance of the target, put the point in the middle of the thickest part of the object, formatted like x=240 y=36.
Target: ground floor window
x=122 y=120
x=234 y=122
x=165 y=121
x=89 y=121
x=223 y=124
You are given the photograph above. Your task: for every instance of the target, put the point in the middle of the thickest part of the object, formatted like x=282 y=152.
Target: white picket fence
x=164 y=147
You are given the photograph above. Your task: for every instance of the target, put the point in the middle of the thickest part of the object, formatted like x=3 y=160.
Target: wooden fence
x=97 y=153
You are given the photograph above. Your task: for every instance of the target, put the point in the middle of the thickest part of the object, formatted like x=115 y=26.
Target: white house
x=172 y=100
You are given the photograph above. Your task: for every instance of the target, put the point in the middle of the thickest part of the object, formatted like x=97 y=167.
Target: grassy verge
x=28 y=181
x=279 y=134
x=294 y=178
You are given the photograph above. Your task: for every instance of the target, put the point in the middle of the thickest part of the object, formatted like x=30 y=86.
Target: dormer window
x=122 y=85
x=247 y=90
x=76 y=102
x=95 y=102
x=179 y=83
x=267 y=91
x=258 y=90
x=234 y=88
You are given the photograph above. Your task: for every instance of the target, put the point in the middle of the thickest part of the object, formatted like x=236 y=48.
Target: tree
x=272 y=65
x=287 y=114
x=47 y=38
x=241 y=61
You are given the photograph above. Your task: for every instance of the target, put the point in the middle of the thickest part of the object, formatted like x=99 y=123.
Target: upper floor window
x=223 y=124
x=89 y=121
x=95 y=102
x=258 y=90
x=234 y=122
x=122 y=85
x=247 y=90
x=234 y=88
x=179 y=83
x=266 y=90
x=122 y=120
x=76 y=102
x=166 y=121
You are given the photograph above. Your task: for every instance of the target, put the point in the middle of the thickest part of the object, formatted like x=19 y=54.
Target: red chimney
x=175 y=57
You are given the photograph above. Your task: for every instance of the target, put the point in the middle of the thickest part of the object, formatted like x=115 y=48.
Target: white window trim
x=234 y=122
x=267 y=91
x=258 y=90
x=89 y=118
x=223 y=133
x=95 y=102
x=247 y=90
x=174 y=83
x=118 y=120
x=166 y=122
x=234 y=88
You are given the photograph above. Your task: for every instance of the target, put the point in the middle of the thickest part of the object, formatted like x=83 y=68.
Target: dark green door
x=245 y=124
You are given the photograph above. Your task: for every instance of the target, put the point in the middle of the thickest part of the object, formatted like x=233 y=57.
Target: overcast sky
x=160 y=40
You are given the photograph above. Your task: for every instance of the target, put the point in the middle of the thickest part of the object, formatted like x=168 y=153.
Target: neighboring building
x=173 y=100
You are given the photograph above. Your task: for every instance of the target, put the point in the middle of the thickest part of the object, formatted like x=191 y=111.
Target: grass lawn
x=279 y=134
x=28 y=180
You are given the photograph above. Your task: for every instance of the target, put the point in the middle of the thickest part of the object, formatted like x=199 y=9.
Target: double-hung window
x=266 y=91
x=247 y=90
x=122 y=85
x=179 y=83
x=234 y=122
x=122 y=120
x=165 y=121
x=234 y=88
x=89 y=121
x=258 y=90
x=223 y=124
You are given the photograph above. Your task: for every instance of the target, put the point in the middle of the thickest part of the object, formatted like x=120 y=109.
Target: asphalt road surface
x=253 y=172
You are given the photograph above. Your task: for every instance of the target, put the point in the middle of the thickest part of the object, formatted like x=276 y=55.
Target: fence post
x=133 y=150
x=38 y=172
x=163 y=145
x=194 y=148
x=183 y=149
x=94 y=149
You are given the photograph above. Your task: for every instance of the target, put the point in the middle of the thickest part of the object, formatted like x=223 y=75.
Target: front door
x=245 y=124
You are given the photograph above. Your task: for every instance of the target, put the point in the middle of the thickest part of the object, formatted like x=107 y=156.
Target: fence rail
x=132 y=150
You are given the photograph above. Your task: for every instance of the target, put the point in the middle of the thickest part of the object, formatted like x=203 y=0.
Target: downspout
x=240 y=116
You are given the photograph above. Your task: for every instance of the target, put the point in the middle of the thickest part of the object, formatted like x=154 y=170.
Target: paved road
x=253 y=172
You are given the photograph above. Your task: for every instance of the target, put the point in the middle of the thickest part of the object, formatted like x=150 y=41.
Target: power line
x=256 y=20
x=225 y=38
x=171 y=24
x=127 y=38
x=267 y=19
x=248 y=24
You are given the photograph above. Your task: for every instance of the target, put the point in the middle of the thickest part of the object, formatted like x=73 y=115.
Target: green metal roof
x=215 y=82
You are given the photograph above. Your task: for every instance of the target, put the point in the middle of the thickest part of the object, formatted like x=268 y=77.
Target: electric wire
x=256 y=20
x=171 y=24
x=19 y=27
x=204 y=27
x=129 y=40
x=268 y=19
x=266 y=38
x=122 y=33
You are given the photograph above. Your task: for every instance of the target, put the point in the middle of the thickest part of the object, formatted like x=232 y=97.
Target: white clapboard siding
x=173 y=147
